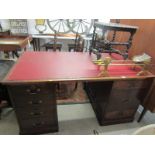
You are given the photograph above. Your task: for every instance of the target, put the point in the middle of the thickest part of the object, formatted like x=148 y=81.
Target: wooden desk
x=4 y=32
x=14 y=43
x=31 y=84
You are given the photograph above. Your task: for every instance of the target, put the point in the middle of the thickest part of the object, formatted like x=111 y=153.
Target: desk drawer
x=36 y=112
x=129 y=84
x=34 y=101
x=114 y=115
x=32 y=89
x=36 y=123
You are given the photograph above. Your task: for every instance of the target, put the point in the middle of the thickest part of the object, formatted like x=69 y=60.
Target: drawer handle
x=33 y=91
x=36 y=113
x=35 y=103
x=38 y=124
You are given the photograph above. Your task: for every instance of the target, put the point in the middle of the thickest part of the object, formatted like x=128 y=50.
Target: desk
x=31 y=85
x=13 y=43
x=4 y=32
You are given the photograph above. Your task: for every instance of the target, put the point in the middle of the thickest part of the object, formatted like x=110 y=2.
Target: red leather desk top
x=62 y=66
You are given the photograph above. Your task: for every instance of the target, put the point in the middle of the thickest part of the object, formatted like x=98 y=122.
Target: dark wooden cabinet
x=116 y=101
x=35 y=107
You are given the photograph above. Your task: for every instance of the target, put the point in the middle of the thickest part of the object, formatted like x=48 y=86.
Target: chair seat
x=71 y=45
x=51 y=45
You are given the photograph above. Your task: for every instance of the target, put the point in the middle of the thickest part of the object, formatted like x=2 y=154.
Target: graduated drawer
x=32 y=89
x=35 y=123
x=130 y=84
x=34 y=101
x=119 y=114
x=36 y=112
x=39 y=130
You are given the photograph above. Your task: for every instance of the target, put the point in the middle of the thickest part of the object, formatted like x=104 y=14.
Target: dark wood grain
x=117 y=101
x=35 y=117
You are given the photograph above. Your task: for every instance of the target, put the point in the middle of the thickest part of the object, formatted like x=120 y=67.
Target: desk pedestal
x=35 y=107
x=116 y=101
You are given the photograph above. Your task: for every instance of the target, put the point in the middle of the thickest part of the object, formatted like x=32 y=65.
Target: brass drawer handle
x=36 y=113
x=35 y=103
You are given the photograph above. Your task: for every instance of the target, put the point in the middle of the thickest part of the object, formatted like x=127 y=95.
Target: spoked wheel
x=59 y=25
x=80 y=26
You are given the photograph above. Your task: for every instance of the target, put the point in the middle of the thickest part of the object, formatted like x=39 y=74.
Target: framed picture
x=19 y=26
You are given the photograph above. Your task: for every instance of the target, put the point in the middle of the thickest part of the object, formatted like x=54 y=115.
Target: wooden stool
x=51 y=45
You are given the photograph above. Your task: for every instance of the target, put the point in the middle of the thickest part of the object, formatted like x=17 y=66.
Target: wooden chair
x=101 y=43
x=78 y=45
x=53 y=46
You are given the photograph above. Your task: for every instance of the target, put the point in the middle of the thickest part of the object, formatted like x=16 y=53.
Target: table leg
x=38 y=44
x=15 y=53
x=6 y=54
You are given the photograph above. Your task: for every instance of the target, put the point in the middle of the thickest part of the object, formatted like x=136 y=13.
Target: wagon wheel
x=58 y=25
x=80 y=26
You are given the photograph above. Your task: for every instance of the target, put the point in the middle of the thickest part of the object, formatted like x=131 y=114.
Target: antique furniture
x=54 y=45
x=101 y=42
x=4 y=32
x=32 y=80
x=14 y=43
x=37 y=37
x=78 y=44
x=5 y=66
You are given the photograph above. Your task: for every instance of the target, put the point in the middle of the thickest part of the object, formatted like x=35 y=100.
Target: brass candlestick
x=104 y=70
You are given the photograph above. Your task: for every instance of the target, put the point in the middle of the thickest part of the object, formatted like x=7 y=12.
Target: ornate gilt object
x=144 y=61
x=138 y=62
x=103 y=63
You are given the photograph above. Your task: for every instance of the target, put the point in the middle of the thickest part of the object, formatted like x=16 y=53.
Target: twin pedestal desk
x=31 y=84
